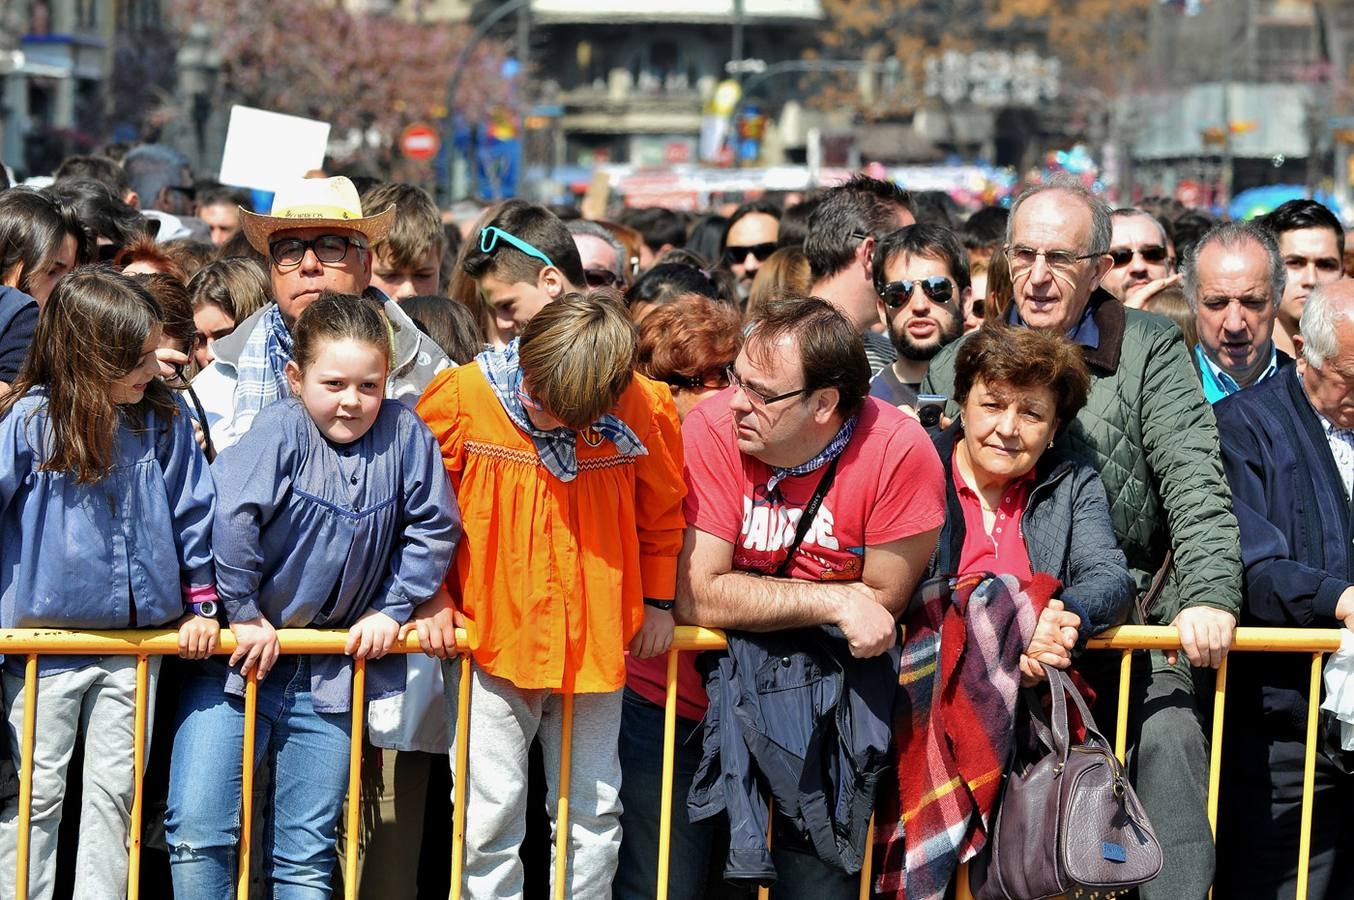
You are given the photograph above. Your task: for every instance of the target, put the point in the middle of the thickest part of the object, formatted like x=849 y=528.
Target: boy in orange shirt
x=568 y=470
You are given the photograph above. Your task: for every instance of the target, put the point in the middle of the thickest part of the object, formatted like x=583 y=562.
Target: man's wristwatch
x=665 y=605
x=205 y=608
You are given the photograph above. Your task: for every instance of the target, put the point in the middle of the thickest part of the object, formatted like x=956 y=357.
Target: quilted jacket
x=1151 y=435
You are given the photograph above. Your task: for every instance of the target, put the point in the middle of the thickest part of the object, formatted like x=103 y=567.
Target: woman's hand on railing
x=1054 y=637
x=655 y=635
x=371 y=636
x=436 y=620
x=255 y=644
x=198 y=636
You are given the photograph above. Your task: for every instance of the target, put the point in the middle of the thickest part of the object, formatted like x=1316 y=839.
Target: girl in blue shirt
x=106 y=507
x=334 y=511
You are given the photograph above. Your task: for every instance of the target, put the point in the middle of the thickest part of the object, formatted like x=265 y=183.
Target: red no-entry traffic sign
x=419 y=141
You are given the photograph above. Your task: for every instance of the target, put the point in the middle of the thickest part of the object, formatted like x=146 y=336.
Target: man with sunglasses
x=316 y=239
x=1151 y=435
x=922 y=277
x=749 y=238
x=843 y=232
x=602 y=255
x=1140 y=257
x=522 y=259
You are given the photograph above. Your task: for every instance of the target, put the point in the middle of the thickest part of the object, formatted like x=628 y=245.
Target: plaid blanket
x=954 y=724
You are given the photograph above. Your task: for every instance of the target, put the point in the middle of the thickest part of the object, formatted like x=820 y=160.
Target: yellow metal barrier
x=144 y=644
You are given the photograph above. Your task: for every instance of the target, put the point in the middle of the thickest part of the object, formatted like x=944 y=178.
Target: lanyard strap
x=809 y=514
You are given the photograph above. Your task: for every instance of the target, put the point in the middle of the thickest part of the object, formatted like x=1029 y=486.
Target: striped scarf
x=261 y=374
x=830 y=452
x=557 y=448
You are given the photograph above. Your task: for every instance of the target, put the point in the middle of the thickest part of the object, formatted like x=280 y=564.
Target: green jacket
x=1149 y=432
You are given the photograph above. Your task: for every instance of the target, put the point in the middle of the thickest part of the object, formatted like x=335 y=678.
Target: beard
x=946 y=333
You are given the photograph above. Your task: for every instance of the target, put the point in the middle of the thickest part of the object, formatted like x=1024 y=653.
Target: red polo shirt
x=1003 y=550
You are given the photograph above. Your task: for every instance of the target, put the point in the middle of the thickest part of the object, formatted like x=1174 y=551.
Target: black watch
x=205 y=608
x=665 y=605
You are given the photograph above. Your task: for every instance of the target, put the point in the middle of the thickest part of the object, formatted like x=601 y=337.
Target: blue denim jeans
x=641 y=798
x=308 y=753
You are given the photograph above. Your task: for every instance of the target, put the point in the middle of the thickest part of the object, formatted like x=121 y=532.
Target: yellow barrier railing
x=144 y=644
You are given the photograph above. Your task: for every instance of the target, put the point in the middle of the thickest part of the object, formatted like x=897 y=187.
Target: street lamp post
x=198 y=62
x=496 y=15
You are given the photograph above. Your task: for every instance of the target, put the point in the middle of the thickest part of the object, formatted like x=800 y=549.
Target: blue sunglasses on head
x=491 y=235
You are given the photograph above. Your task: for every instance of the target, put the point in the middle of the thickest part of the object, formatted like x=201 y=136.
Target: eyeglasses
x=715 y=381
x=288 y=252
x=1152 y=253
x=491 y=235
x=599 y=278
x=736 y=253
x=1022 y=258
x=528 y=401
x=937 y=288
x=756 y=396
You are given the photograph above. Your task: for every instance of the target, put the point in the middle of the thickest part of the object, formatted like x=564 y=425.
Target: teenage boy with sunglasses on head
x=921 y=274
x=1141 y=256
x=522 y=259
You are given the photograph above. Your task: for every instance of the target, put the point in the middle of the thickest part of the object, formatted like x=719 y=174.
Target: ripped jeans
x=308 y=752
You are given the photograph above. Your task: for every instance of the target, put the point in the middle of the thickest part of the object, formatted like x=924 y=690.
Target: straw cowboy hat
x=316 y=203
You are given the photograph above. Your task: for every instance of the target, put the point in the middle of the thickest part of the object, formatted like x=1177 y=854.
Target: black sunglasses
x=714 y=381
x=937 y=288
x=597 y=278
x=1152 y=253
x=289 y=252
x=734 y=254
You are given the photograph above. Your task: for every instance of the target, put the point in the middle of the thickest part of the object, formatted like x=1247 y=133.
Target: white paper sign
x=267 y=150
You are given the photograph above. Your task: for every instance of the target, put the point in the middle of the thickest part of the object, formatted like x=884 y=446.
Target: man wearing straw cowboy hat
x=315 y=239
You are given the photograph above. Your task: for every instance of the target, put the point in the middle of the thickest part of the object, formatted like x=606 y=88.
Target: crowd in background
x=783 y=417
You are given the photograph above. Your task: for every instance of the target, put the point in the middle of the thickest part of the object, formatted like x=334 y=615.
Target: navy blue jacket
x=1295 y=539
x=794 y=710
x=18 y=320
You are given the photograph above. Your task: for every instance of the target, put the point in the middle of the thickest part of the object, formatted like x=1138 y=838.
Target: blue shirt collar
x=1218 y=384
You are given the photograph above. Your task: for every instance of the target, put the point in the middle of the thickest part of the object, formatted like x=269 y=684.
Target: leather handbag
x=1068 y=823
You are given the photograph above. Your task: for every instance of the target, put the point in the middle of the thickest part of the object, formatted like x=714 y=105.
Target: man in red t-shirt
x=754 y=456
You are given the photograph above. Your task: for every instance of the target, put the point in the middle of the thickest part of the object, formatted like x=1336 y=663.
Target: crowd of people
x=789 y=420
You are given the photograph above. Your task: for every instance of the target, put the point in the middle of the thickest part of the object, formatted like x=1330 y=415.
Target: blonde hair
x=785 y=273
x=578 y=355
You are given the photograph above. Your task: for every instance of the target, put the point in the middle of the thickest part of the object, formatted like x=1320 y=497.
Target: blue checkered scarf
x=557 y=448
x=834 y=448
x=261 y=374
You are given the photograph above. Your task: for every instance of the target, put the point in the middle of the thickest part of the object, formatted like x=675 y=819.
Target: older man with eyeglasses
x=316 y=239
x=1151 y=434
